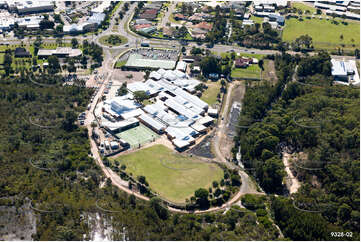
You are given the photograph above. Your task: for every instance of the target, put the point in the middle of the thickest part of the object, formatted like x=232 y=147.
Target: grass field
x=138 y=135
x=325 y=35
x=210 y=94
x=253 y=71
x=156 y=163
x=303 y=7
x=256 y=19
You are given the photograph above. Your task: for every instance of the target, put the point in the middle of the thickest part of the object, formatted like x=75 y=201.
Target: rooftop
x=136 y=60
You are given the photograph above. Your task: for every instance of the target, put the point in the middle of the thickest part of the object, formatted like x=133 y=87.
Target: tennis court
x=139 y=135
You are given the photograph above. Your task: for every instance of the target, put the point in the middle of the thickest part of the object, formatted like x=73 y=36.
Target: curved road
x=247 y=187
x=107 y=69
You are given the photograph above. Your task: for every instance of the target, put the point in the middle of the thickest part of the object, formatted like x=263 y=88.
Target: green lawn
x=210 y=94
x=303 y=7
x=155 y=164
x=147 y=102
x=257 y=19
x=115 y=8
x=253 y=71
x=325 y=35
x=119 y=64
x=171 y=19
x=115 y=28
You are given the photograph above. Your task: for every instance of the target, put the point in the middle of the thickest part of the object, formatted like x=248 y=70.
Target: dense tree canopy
x=72 y=190
x=319 y=123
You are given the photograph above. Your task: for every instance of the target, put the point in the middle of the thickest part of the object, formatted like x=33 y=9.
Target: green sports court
x=136 y=136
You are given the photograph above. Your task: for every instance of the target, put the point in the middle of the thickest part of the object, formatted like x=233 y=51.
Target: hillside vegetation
x=68 y=190
x=320 y=121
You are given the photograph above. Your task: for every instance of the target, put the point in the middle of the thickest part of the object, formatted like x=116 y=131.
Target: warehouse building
x=345 y=71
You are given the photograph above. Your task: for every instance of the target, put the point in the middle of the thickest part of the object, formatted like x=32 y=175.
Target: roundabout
x=112 y=40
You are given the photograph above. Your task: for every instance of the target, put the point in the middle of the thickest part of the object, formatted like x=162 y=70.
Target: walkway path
x=292 y=182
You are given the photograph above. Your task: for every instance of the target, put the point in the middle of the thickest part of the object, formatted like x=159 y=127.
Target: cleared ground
x=210 y=94
x=173 y=176
x=325 y=35
x=137 y=136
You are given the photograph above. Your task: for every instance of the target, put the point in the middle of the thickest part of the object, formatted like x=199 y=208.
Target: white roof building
x=212 y=112
x=169 y=75
x=114 y=126
x=132 y=114
x=182 y=66
x=114 y=145
x=6 y=22
x=30 y=22
x=161 y=71
x=120 y=105
x=345 y=71
x=155 y=108
x=180 y=109
x=101 y=7
x=191 y=98
x=29 y=6
x=181 y=133
x=153 y=123
x=60 y=51
x=179 y=74
x=155 y=75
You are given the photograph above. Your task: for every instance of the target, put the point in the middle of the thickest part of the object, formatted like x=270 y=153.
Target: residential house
x=243 y=62
x=149 y=14
x=142 y=26
x=179 y=16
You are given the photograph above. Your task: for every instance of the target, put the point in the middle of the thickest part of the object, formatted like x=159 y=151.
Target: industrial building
x=345 y=71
